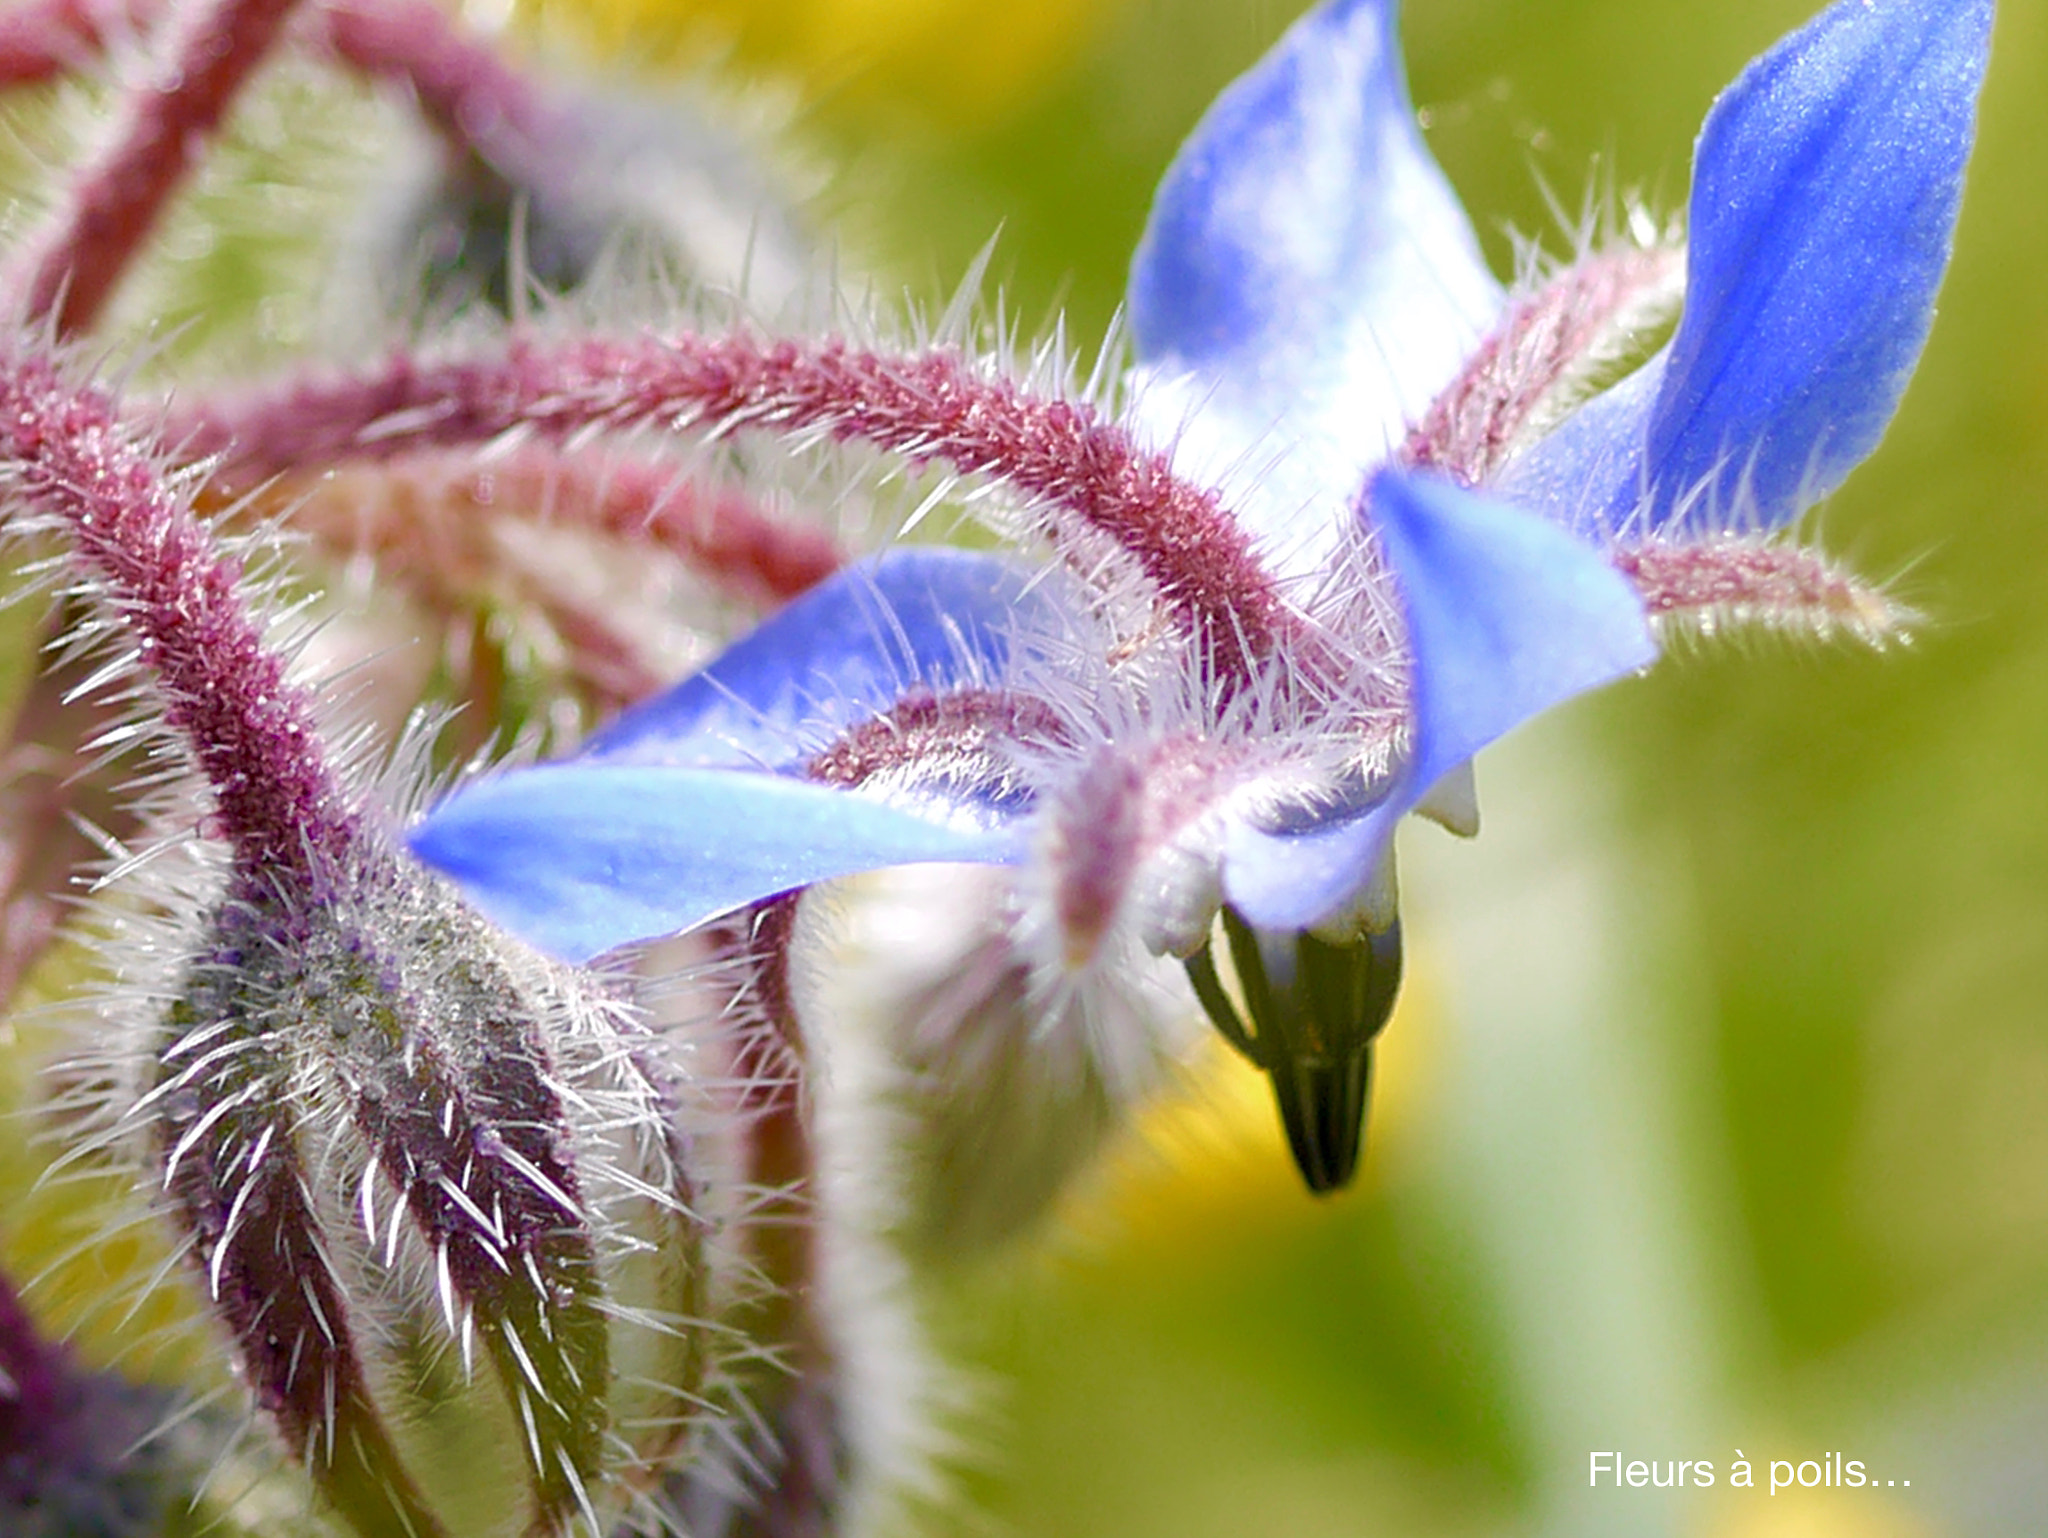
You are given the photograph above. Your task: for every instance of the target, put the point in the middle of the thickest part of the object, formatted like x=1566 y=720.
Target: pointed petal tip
x=581 y=858
x=1826 y=186
x=1507 y=615
x=1307 y=266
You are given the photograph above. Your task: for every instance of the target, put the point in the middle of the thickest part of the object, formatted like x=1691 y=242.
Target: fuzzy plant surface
x=548 y=1147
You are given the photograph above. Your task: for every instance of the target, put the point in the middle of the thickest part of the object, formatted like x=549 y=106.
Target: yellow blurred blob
x=1795 y=1513
x=963 y=62
x=1206 y=1160
x=96 y=1261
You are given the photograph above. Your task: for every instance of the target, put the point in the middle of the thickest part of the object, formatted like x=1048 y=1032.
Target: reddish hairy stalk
x=1086 y=475
x=434 y=524
x=1760 y=581
x=465 y=89
x=922 y=728
x=47 y=38
x=805 y=1464
x=49 y=783
x=249 y=730
x=71 y=270
x=1543 y=341
x=432 y=513
x=718 y=532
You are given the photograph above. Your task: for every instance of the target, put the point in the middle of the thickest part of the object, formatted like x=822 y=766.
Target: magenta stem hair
x=465 y=89
x=400 y=513
x=930 y=407
x=71 y=271
x=1471 y=426
x=47 y=38
x=1755 y=579
x=250 y=731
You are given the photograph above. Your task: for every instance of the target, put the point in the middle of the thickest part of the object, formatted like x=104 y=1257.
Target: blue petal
x=1307 y=280
x=1824 y=199
x=1299 y=880
x=580 y=858
x=1507 y=615
x=843 y=651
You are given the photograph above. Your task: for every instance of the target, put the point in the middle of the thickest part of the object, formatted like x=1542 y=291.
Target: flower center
x=1310 y=1010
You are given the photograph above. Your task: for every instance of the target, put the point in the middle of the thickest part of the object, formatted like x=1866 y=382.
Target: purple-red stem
x=462 y=85
x=1760 y=579
x=251 y=732
x=71 y=271
x=464 y=88
x=47 y=38
x=802 y=1412
x=1473 y=423
x=424 y=511
x=930 y=407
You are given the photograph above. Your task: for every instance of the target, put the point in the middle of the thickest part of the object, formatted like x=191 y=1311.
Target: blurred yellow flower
x=963 y=62
x=1815 y=1514
x=1206 y=1159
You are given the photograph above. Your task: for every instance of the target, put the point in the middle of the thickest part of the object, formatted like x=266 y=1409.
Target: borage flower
x=1361 y=513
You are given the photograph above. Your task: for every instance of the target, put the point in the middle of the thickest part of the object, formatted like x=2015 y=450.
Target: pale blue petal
x=1507 y=615
x=837 y=655
x=1588 y=473
x=1299 y=880
x=1824 y=199
x=579 y=858
x=1307 y=280
x=1824 y=203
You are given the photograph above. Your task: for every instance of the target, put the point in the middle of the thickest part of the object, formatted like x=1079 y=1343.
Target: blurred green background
x=1718 y=1116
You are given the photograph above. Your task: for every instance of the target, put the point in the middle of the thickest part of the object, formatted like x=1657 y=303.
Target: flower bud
x=434 y=1187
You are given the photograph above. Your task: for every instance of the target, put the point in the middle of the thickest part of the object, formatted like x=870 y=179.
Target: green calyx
x=1310 y=1010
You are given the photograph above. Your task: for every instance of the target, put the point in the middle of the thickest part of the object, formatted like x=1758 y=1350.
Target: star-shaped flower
x=1361 y=514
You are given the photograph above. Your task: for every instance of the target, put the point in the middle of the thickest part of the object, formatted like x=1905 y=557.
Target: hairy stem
x=249 y=730
x=71 y=271
x=1546 y=341
x=805 y=1466
x=428 y=515
x=1085 y=477
x=47 y=38
x=461 y=84
x=1733 y=579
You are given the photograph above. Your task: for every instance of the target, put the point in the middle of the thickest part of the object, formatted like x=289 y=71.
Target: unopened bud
x=433 y=1186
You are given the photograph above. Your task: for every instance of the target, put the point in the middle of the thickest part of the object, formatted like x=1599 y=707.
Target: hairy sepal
x=1732 y=582
x=432 y=1187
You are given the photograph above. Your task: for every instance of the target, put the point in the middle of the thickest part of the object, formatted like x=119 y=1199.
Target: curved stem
x=47 y=38
x=419 y=514
x=461 y=84
x=1087 y=480
x=249 y=730
x=70 y=272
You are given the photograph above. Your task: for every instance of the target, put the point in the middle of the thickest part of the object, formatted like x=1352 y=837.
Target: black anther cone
x=1315 y=1007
